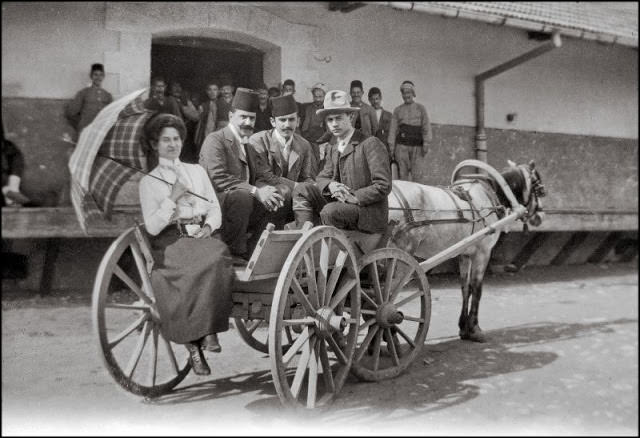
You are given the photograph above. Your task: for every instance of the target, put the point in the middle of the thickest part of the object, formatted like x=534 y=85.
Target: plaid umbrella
x=115 y=133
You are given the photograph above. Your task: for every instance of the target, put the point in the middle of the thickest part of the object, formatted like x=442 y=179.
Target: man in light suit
x=231 y=165
x=283 y=158
x=351 y=190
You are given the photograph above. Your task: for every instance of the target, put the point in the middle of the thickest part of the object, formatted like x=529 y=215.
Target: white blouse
x=159 y=211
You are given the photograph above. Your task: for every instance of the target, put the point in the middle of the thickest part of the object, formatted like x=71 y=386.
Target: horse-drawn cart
x=321 y=301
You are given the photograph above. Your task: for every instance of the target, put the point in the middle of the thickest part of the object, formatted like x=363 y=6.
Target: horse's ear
x=532 y=164
x=511 y=163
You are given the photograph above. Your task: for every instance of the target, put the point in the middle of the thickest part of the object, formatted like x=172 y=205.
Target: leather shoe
x=197 y=360
x=210 y=343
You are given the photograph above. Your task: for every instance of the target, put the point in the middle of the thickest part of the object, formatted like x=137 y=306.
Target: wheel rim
x=396 y=310
x=312 y=372
x=256 y=334
x=126 y=324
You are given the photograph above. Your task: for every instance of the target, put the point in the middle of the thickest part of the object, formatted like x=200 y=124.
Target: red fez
x=245 y=100
x=283 y=105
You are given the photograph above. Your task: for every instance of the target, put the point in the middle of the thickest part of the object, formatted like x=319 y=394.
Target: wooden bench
x=56 y=223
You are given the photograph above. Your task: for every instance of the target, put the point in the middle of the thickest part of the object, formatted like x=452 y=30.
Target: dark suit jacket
x=383 y=126
x=220 y=156
x=368 y=121
x=269 y=163
x=364 y=167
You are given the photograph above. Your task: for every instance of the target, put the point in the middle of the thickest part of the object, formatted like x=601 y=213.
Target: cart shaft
x=471 y=240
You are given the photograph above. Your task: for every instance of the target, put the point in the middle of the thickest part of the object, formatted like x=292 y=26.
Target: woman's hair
x=152 y=129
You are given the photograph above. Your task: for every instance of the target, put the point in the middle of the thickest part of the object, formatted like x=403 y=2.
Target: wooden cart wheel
x=319 y=276
x=256 y=334
x=396 y=310
x=126 y=322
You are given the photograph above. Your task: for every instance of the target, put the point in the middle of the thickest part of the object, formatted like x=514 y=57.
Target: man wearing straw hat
x=284 y=158
x=231 y=165
x=351 y=190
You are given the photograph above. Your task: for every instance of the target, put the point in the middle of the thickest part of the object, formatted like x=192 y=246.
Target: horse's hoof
x=477 y=336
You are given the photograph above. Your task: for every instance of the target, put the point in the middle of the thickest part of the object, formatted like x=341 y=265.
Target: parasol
x=107 y=154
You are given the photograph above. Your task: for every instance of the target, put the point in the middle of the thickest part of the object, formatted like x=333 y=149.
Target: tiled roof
x=614 y=22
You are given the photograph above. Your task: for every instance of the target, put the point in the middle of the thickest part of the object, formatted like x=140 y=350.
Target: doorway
x=196 y=61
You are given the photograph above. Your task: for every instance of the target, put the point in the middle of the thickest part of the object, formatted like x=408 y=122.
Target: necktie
x=285 y=152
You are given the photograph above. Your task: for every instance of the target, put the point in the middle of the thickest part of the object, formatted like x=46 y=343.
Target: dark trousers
x=242 y=214
x=309 y=202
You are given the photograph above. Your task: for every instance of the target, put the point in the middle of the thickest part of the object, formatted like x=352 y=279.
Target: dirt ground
x=561 y=359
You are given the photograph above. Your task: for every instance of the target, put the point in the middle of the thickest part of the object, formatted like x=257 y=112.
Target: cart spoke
x=287 y=331
x=375 y=278
x=376 y=350
x=301 y=321
x=312 y=286
x=341 y=258
x=172 y=356
x=413 y=318
x=154 y=354
x=128 y=307
x=254 y=326
x=325 y=252
x=132 y=284
x=296 y=346
x=406 y=337
x=301 y=370
x=367 y=324
x=336 y=350
x=313 y=377
x=365 y=343
x=126 y=332
x=295 y=285
x=409 y=298
x=401 y=283
x=391 y=269
x=135 y=357
x=326 y=369
x=142 y=268
x=369 y=300
x=342 y=293
x=392 y=347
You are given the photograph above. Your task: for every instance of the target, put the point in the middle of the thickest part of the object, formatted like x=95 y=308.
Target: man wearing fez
x=351 y=190
x=285 y=158
x=409 y=133
x=231 y=166
x=88 y=102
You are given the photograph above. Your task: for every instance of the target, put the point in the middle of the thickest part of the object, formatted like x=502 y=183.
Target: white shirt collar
x=165 y=162
x=342 y=144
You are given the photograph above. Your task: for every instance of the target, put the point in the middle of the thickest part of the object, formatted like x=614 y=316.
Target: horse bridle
x=535 y=190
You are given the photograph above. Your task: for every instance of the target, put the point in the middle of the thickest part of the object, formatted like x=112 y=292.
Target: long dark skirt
x=192 y=280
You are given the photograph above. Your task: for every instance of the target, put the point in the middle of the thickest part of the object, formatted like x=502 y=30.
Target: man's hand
x=204 y=232
x=177 y=191
x=339 y=191
x=424 y=150
x=269 y=197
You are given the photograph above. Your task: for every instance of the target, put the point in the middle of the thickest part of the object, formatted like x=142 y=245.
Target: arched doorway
x=195 y=61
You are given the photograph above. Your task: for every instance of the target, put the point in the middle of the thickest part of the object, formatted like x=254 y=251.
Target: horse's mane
x=515 y=181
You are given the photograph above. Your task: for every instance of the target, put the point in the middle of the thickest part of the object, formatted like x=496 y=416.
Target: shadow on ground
x=437 y=379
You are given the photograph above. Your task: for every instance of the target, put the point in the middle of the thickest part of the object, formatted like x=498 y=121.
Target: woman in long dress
x=192 y=276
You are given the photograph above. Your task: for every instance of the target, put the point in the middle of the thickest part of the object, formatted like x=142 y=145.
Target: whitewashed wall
x=581 y=88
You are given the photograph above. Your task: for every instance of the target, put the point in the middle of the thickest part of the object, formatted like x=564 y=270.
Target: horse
x=430 y=219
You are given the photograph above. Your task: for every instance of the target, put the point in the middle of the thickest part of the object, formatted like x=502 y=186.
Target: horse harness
x=456 y=192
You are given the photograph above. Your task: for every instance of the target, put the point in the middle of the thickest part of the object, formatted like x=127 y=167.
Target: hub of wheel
x=327 y=322
x=388 y=315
